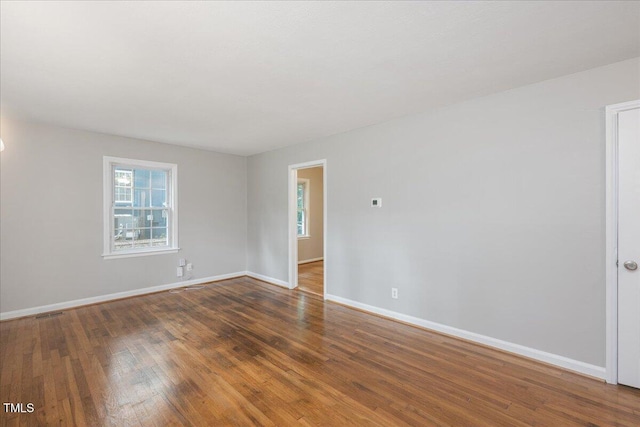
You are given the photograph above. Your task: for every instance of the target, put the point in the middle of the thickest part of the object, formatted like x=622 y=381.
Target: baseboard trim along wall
x=307 y=261
x=531 y=353
x=268 y=279
x=110 y=297
x=550 y=358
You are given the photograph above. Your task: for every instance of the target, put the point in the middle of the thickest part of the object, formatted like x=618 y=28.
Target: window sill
x=305 y=237
x=163 y=251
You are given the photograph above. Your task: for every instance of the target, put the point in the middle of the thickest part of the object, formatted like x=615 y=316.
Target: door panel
x=629 y=248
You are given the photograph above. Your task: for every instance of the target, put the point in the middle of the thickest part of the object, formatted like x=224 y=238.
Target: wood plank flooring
x=242 y=352
x=311 y=277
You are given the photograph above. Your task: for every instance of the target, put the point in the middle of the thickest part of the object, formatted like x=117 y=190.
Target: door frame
x=611 y=260
x=293 y=231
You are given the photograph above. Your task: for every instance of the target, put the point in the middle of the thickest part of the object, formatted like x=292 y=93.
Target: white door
x=629 y=247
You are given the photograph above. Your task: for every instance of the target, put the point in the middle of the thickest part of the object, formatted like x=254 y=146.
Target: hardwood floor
x=311 y=277
x=242 y=352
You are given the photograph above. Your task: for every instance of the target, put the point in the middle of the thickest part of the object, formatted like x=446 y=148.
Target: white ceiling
x=248 y=77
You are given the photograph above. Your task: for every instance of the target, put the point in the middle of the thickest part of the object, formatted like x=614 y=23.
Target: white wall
x=493 y=212
x=51 y=215
x=312 y=247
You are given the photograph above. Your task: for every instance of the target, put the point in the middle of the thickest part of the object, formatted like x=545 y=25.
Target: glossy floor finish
x=241 y=352
x=311 y=277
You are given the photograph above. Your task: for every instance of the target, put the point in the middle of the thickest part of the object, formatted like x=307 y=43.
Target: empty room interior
x=320 y=213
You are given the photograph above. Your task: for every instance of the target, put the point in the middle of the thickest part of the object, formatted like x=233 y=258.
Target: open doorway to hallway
x=310 y=229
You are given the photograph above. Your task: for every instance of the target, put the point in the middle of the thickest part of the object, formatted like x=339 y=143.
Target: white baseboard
x=532 y=353
x=268 y=279
x=109 y=297
x=307 y=261
x=553 y=359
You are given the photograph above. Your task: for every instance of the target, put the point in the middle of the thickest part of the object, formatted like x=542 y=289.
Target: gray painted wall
x=51 y=215
x=493 y=217
x=312 y=247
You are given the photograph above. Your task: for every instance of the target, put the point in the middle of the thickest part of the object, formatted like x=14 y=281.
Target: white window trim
x=107 y=180
x=307 y=188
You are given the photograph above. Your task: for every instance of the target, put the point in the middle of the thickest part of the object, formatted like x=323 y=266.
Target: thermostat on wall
x=376 y=203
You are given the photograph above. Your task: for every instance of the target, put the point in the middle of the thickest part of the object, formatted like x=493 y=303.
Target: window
x=140 y=207
x=303 y=208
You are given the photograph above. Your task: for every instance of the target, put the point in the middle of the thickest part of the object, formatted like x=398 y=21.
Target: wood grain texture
x=311 y=277
x=241 y=352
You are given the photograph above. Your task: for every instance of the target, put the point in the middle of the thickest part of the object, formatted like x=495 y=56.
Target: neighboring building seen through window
x=141 y=207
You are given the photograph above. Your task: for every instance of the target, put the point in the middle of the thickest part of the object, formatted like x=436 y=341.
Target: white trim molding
x=531 y=353
x=611 y=251
x=145 y=253
x=32 y=311
x=268 y=279
x=108 y=164
x=307 y=261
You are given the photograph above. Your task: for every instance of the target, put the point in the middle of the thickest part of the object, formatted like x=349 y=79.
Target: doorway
x=623 y=244
x=307 y=227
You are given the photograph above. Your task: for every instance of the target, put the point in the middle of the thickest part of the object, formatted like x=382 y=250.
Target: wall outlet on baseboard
x=394 y=293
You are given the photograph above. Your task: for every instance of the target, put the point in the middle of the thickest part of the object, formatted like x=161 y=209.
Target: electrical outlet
x=394 y=293
x=182 y=262
x=189 y=266
x=179 y=272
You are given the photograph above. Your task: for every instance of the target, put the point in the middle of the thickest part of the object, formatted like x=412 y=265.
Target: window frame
x=108 y=166
x=307 y=187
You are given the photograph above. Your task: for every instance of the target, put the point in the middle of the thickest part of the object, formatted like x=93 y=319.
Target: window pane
x=140 y=218
x=141 y=198
x=142 y=178
x=122 y=195
x=122 y=220
x=300 y=196
x=159 y=218
x=159 y=237
x=128 y=236
x=123 y=177
x=138 y=237
x=301 y=223
x=159 y=179
x=159 y=232
x=123 y=183
x=148 y=237
x=158 y=198
x=143 y=234
x=123 y=228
